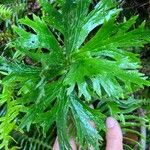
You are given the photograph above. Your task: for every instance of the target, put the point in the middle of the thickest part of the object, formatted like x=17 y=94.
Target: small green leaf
x=61 y=123
x=87 y=135
x=52 y=16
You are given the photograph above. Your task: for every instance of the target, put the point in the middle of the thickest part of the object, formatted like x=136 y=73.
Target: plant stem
x=143 y=130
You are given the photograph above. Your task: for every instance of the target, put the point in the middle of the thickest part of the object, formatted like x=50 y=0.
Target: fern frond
x=13 y=106
x=5 y=13
x=8 y=123
x=130 y=123
x=33 y=140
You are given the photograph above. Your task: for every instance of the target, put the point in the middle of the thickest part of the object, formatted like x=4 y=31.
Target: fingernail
x=110 y=122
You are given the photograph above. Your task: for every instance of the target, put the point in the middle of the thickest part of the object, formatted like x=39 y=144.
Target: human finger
x=113 y=135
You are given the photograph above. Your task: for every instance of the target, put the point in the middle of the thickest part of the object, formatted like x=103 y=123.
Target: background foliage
x=24 y=56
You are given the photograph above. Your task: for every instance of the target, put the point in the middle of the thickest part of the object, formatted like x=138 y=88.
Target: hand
x=113 y=137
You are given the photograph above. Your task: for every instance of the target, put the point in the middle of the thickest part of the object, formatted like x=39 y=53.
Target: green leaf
x=111 y=37
x=51 y=92
x=8 y=123
x=5 y=13
x=87 y=135
x=61 y=122
x=11 y=67
x=78 y=23
x=74 y=12
x=110 y=80
x=46 y=119
x=52 y=16
x=42 y=39
x=102 y=11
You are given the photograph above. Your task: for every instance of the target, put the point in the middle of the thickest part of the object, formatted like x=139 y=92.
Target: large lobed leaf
x=69 y=75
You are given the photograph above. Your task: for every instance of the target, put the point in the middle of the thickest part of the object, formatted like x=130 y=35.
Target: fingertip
x=113 y=135
x=110 y=122
x=56 y=145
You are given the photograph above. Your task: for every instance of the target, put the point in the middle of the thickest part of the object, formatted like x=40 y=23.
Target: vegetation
x=60 y=57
